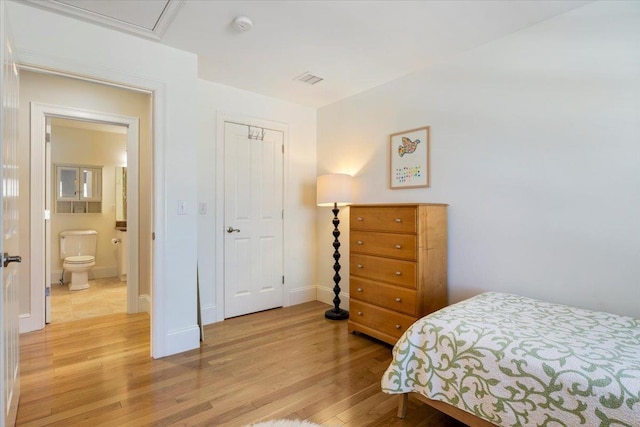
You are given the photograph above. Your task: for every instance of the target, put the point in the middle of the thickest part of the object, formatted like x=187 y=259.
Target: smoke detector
x=242 y=23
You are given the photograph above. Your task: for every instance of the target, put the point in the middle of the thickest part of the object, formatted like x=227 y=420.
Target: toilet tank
x=78 y=242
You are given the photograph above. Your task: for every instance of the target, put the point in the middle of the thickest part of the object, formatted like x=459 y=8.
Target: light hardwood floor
x=284 y=363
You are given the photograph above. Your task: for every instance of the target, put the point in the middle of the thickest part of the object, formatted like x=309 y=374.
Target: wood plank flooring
x=284 y=363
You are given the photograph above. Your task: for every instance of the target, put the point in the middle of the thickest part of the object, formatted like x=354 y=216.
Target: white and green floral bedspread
x=515 y=361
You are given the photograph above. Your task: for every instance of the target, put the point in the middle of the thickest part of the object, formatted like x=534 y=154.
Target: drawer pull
x=398 y=327
x=359 y=289
x=360 y=266
x=360 y=242
x=398 y=273
x=398 y=299
x=398 y=219
x=398 y=246
x=360 y=219
x=359 y=313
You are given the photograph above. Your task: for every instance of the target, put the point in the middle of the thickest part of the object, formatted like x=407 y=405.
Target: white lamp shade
x=334 y=188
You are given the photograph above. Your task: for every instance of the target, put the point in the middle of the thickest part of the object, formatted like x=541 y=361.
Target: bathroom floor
x=104 y=296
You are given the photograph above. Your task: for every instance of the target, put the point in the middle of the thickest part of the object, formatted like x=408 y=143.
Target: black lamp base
x=334 y=314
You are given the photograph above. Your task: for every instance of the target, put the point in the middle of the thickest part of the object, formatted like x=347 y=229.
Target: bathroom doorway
x=77 y=140
x=92 y=104
x=87 y=162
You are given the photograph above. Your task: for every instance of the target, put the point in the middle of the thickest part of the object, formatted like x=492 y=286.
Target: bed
x=506 y=360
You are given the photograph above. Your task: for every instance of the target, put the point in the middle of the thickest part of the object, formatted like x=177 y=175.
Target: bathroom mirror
x=91 y=184
x=67 y=183
x=79 y=183
x=121 y=193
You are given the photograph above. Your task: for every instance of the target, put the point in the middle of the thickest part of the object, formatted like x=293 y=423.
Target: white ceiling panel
x=148 y=18
x=141 y=13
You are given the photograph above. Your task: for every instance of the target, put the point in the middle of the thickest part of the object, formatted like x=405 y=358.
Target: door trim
x=219 y=223
x=43 y=63
x=39 y=228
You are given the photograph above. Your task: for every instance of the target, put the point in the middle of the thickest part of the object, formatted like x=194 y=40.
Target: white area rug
x=285 y=423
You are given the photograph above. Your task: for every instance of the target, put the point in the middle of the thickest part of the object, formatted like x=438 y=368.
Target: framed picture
x=409 y=154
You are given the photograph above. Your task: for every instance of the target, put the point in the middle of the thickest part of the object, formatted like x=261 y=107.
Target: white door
x=253 y=264
x=9 y=354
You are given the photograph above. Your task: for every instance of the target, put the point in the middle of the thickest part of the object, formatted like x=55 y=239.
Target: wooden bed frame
x=452 y=411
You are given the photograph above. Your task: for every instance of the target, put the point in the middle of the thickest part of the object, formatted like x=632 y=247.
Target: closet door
x=253 y=248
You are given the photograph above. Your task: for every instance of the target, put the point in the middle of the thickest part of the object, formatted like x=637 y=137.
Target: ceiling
x=87 y=125
x=352 y=45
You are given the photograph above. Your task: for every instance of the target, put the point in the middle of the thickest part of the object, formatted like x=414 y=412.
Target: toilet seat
x=79 y=259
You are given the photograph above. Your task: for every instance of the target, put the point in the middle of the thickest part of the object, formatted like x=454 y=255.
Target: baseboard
x=301 y=295
x=182 y=340
x=144 y=304
x=209 y=314
x=28 y=323
x=296 y=296
x=326 y=295
x=94 y=273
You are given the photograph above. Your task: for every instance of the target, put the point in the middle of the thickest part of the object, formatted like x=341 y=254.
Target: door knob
x=6 y=259
x=230 y=229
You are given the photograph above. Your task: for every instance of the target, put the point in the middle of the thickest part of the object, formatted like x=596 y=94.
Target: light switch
x=182 y=207
x=202 y=208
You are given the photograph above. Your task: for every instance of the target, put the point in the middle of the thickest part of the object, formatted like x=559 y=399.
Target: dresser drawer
x=396 y=219
x=398 y=272
x=385 y=321
x=387 y=296
x=384 y=244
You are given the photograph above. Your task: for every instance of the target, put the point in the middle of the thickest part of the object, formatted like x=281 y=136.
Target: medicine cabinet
x=78 y=189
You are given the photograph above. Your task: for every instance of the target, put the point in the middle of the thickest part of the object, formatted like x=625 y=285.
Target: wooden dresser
x=398 y=266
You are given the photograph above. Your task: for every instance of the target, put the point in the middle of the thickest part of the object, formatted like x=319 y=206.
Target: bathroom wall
x=85 y=147
x=57 y=90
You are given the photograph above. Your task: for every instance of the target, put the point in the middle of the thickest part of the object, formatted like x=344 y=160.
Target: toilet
x=78 y=252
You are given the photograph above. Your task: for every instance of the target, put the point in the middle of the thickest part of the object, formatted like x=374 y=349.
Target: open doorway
x=87 y=201
x=63 y=99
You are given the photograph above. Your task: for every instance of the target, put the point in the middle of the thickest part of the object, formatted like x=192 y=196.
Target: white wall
x=300 y=172
x=56 y=42
x=535 y=146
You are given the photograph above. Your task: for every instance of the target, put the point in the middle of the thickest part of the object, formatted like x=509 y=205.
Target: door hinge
x=282 y=148
x=282 y=214
x=153 y=235
x=47 y=214
x=283 y=280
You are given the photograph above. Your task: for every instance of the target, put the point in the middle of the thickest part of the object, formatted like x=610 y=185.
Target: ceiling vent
x=309 y=78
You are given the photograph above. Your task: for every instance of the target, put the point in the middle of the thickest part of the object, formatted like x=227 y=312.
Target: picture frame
x=410 y=158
